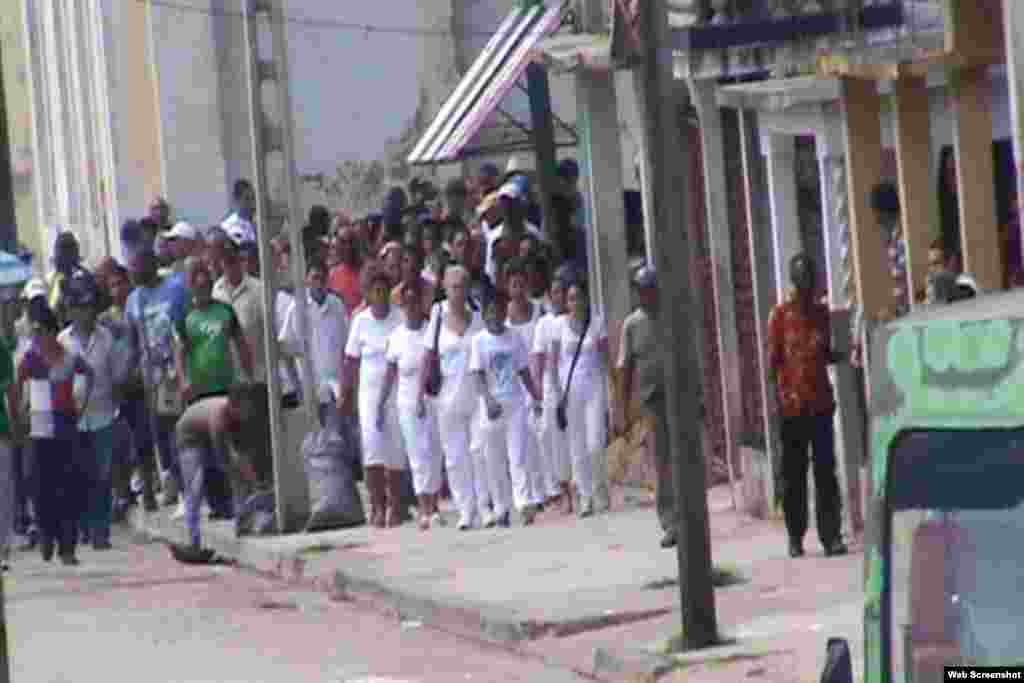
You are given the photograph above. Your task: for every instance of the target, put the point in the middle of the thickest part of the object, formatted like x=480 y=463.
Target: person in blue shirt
x=154 y=309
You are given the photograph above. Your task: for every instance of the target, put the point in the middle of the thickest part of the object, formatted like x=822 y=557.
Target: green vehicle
x=944 y=548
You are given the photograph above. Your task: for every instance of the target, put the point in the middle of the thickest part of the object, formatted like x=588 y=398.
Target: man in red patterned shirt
x=799 y=353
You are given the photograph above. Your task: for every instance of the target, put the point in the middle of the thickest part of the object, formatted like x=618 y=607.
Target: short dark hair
x=885 y=197
x=515 y=267
x=373 y=273
x=240 y=188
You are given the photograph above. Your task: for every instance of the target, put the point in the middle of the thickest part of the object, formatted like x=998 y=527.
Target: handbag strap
x=576 y=357
x=437 y=328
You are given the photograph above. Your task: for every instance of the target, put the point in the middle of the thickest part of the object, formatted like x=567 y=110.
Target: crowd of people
x=452 y=334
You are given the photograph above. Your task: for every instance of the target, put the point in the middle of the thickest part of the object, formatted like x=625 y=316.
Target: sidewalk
x=597 y=595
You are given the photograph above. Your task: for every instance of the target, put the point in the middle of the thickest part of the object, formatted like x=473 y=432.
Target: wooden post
x=975 y=173
x=863 y=140
x=913 y=158
x=719 y=236
x=1013 y=15
x=670 y=153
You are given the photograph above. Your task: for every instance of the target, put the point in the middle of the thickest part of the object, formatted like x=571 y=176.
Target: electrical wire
x=325 y=23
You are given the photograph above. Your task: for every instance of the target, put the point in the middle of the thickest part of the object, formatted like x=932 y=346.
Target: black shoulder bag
x=560 y=414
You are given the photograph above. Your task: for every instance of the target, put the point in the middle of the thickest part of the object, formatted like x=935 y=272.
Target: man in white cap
x=239 y=224
x=178 y=243
x=512 y=203
x=641 y=361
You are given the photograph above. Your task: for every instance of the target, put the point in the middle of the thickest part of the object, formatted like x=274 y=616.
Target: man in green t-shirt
x=205 y=334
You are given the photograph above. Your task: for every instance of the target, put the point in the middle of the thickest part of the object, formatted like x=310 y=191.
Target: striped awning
x=500 y=65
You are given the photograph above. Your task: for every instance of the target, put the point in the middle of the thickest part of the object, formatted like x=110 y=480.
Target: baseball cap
x=646 y=276
x=511 y=191
x=182 y=230
x=33 y=288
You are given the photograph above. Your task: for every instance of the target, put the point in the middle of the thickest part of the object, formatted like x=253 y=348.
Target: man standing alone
x=641 y=360
x=799 y=353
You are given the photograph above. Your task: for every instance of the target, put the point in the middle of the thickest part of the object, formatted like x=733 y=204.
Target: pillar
x=716 y=200
x=863 y=140
x=140 y=156
x=759 y=225
x=787 y=242
x=918 y=205
x=849 y=418
x=602 y=176
x=975 y=170
x=1013 y=14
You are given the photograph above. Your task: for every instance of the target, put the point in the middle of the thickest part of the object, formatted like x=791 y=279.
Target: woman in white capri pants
x=587 y=405
x=554 y=451
x=458 y=404
x=406 y=348
x=500 y=361
x=383 y=456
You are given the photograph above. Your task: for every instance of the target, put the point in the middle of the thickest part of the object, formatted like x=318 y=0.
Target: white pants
x=477 y=452
x=553 y=452
x=6 y=496
x=509 y=461
x=587 y=436
x=456 y=424
x=418 y=435
x=381 y=447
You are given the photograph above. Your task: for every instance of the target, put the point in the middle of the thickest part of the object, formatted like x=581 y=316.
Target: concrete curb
x=468 y=620
x=652 y=663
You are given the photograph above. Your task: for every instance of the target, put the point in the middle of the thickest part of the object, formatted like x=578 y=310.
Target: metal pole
x=5 y=664
x=1013 y=17
x=669 y=154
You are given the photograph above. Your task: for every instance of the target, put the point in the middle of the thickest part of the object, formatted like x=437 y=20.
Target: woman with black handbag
x=454 y=325
x=581 y=350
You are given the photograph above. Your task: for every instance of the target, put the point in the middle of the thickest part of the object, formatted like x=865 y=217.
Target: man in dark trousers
x=799 y=353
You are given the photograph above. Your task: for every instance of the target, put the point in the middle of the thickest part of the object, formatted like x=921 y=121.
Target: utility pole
x=669 y=155
x=5 y=664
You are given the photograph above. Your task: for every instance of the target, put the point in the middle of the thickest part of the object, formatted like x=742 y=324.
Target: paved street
x=135 y=615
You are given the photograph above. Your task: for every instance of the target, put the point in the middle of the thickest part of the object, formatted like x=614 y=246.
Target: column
x=850 y=418
x=975 y=171
x=787 y=242
x=645 y=172
x=913 y=158
x=863 y=139
x=765 y=297
x=716 y=200
x=140 y=147
x=601 y=172
x=1013 y=15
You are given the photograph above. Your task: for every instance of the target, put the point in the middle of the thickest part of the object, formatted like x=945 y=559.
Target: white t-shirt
x=528 y=329
x=368 y=342
x=457 y=387
x=544 y=337
x=502 y=357
x=589 y=370
x=328 y=333
x=406 y=348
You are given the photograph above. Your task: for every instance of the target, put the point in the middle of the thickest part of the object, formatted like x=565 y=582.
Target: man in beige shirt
x=244 y=293
x=641 y=360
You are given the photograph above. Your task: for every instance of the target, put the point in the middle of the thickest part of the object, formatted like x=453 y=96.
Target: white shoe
x=586 y=507
x=488 y=520
x=179 y=513
x=465 y=524
x=437 y=520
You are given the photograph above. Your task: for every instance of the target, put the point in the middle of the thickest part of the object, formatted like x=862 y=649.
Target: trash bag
x=838 y=667
x=330 y=456
x=257 y=516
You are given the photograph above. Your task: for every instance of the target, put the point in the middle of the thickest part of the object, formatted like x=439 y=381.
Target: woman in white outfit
x=458 y=404
x=500 y=361
x=554 y=451
x=405 y=351
x=587 y=402
x=523 y=317
x=383 y=456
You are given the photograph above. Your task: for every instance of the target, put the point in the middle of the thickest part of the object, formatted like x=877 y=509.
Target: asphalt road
x=133 y=614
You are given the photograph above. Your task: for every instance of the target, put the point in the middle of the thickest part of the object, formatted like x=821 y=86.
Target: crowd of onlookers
x=451 y=335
